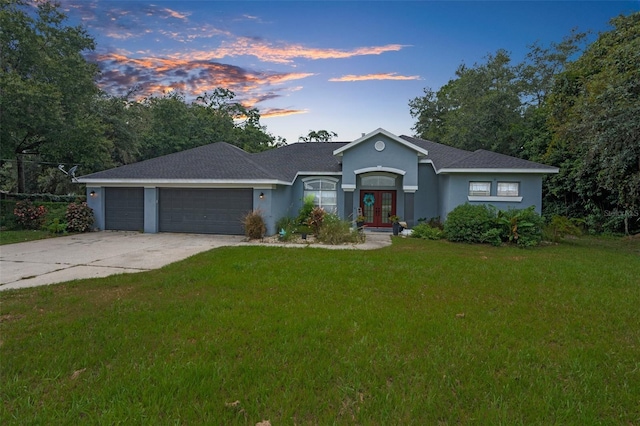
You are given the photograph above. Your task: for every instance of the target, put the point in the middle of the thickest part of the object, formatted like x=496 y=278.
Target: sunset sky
x=347 y=67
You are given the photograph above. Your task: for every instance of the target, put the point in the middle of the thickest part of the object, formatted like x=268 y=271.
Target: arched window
x=378 y=180
x=324 y=191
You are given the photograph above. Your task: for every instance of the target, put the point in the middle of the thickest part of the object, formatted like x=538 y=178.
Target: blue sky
x=347 y=67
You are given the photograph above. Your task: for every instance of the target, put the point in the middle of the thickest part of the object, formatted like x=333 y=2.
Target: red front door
x=377 y=206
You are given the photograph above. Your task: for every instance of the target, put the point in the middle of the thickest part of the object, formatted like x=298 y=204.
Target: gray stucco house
x=210 y=188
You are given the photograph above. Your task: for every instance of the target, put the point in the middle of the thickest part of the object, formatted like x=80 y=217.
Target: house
x=210 y=188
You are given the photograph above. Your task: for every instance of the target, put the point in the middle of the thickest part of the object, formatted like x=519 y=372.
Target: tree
x=171 y=124
x=595 y=118
x=47 y=89
x=319 y=136
x=478 y=110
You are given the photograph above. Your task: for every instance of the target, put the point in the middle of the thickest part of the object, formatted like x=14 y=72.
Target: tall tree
x=595 y=118
x=47 y=89
x=478 y=109
x=318 y=136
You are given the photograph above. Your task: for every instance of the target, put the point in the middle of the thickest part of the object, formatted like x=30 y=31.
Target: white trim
x=428 y=161
x=185 y=183
x=307 y=179
x=380 y=169
x=410 y=188
x=494 y=198
x=348 y=187
x=317 y=174
x=518 y=171
x=381 y=131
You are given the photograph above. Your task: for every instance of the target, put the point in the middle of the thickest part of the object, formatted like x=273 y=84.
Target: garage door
x=124 y=209
x=204 y=211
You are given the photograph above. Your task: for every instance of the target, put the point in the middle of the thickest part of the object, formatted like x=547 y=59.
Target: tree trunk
x=20 y=170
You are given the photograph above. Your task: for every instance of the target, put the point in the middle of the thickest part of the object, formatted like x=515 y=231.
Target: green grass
x=422 y=332
x=12 y=237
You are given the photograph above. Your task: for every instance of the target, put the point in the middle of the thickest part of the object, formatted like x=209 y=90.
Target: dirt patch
x=10 y=317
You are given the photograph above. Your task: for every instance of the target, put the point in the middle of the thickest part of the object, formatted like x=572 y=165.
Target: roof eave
x=182 y=182
x=549 y=170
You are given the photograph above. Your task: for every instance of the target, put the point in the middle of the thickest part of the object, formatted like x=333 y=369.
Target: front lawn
x=422 y=332
x=12 y=237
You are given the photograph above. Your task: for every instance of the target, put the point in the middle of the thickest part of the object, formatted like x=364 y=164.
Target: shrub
x=315 y=220
x=254 y=227
x=79 y=217
x=286 y=227
x=426 y=232
x=57 y=227
x=308 y=204
x=520 y=226
x=471 y=223
x=561 y=226
x=28 y=215
x=49 y=198
x=337 y=231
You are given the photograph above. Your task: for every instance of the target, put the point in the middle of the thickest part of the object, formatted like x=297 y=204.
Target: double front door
x=377 y=206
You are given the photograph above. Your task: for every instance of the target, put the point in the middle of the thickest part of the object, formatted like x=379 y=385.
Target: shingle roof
x=284 y=163
x=483 y=159
x=214 y=161
x=439 y=154
x=222 y=161
x=446 y=157
x=225 y=162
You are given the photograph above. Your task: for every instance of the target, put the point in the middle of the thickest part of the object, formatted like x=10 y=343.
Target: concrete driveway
x=98 y=254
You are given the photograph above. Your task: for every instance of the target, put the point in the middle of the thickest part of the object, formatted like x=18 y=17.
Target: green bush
x=484 y=224
x=308 y=204
x=427 y=232
x=337 y=231
x=28 y=215
x=520 y=226
x=79 y=217
x=57 y=227
x=254 y=226
x=471 y=223
x=49 y=198
x=286 y=227
x=561 y=226
x=55 y=210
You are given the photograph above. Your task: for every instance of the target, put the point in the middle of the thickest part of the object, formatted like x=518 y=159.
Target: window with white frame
x=378 y=180
x=324 y=192
x=508 y=189
x=480 y=189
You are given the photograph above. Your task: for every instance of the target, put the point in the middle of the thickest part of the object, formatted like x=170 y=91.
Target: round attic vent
x=379 y=146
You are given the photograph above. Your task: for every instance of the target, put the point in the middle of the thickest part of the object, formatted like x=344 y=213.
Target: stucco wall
x=96 y=202
x=455 y=189
x=427 y=197
x=275 y=205
x=394 y=156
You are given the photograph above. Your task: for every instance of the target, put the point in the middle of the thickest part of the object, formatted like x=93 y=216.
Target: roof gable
x=381 y=131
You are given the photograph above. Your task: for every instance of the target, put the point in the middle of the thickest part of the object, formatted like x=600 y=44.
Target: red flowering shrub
x=28 y=215
x=79 y=217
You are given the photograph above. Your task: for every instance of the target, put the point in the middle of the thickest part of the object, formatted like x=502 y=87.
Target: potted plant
x=360 y=221
x=395 y=223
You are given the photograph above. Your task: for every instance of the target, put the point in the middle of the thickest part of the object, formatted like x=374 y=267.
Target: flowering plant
x=28 y=215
